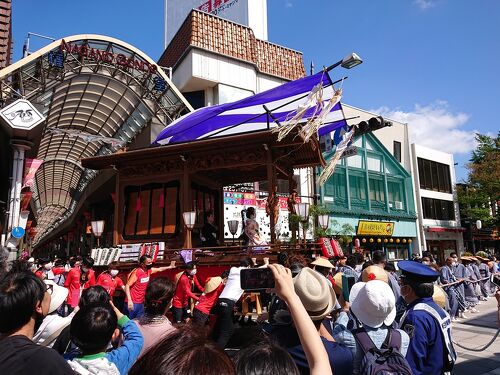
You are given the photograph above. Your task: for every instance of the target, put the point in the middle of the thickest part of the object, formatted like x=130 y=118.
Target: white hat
x=57 y=297
x=315 y=293
x=373 y=303
x=31 y=260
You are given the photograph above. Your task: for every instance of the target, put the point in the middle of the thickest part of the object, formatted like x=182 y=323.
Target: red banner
x=25 y=199
x=31 y=166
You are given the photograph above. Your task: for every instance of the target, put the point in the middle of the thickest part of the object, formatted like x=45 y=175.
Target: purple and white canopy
x=248 y=114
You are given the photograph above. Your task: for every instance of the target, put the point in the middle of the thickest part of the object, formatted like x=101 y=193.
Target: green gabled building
x=373 y=193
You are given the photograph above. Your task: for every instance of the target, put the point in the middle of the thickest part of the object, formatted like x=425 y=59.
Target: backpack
x=384 y=361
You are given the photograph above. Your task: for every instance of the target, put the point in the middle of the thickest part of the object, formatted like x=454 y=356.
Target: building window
x=438 y=209
x=397 y=150
x=377 y=190
x=434 y=176
x=195 y=98
x=357 y=189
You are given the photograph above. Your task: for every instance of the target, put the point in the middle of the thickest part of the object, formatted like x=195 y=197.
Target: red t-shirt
x=109 y=283
x=75 y=282
x=183 y=292
x=138 y=289
x=207 y=301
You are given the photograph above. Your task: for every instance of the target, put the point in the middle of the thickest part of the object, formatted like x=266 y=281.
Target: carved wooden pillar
x=271 y=181
x=186 y=202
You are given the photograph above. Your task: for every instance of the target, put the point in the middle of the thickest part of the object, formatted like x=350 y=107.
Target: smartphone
x=256 y=278
x=347 y=283
x=495 y=279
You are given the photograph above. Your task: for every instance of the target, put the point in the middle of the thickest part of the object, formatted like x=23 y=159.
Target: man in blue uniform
x=429 y=326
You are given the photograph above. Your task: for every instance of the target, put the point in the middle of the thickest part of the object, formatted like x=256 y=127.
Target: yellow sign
x=375 y=228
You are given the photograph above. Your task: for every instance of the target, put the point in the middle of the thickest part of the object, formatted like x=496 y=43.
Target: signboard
x=21 y=115
x=375 y=228
x=31 y=167
x=350 y=151
x=17 y=232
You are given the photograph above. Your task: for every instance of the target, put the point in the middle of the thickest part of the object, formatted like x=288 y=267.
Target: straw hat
x=371 y=273
x=315 y=293
x=178 y=277
x=212 y=284
x=337 y=280
x=322 y=262
x=373 y=303
x=439 y=296
x=57 y=297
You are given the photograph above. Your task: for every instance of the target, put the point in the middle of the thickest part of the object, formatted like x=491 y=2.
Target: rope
x=482 y=348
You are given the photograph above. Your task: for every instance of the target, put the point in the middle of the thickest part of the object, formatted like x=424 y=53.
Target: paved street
x=476 y=332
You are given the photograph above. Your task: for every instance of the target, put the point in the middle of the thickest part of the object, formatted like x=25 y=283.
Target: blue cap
x=417 y=271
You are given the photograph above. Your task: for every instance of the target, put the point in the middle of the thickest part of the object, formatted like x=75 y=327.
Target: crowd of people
x=343 y=315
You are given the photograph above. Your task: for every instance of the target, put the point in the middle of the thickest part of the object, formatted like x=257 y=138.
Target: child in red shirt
x=212 y=291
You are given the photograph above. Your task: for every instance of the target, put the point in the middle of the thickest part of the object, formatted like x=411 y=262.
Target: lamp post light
x=302 y=209
x=97 y=229
x=348 y=62
x=324 y=221
x=233 y=227
x=189 y=221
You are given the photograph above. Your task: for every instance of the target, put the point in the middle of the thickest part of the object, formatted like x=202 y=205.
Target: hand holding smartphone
x=495 y=279
x=256 y=278
x=347 y=283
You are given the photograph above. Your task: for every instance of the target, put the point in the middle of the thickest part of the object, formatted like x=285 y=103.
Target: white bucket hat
x=373 y=303
x=57 y=297
x=315 y=293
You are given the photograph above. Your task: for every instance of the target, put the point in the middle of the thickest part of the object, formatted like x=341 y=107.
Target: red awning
x=445 y=229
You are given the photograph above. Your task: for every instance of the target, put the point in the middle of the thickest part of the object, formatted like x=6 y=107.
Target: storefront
x=442 y=241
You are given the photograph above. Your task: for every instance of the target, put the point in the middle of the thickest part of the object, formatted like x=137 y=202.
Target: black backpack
x=387 y=360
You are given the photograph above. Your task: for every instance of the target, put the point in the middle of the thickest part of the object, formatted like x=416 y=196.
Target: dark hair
x=92 y=327
x=208 y=213
x=94 y=294
x=189 y=265
x=113 y=265
x=351 y=261
x=72 y=261
x=88 y=262
x=367 y=264
x=389 y=267
x=250 y=212
x=379 y=257
x=20 y=292
x=159 y=293
x=42 y=261
x=246 y=262
x=422 y=290
x=143 y=258
x=282 y=257
x=453 y=254
x=224 y=274
x=265 y=359
x=360 y=258
x=295 y=259
x=185 y=351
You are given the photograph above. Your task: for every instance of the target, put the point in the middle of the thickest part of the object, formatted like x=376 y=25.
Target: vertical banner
x=25 y=199
x=31 y=167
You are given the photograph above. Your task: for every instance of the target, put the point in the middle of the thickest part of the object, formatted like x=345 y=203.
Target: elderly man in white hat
x=372 y=307
x=318 y=297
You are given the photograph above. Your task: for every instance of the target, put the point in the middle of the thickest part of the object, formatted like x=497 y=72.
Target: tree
x=479 y=197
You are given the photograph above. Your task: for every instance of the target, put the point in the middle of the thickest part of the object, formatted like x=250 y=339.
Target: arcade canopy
x=97 y=93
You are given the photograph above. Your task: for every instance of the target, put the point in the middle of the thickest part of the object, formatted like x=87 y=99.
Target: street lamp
x=97 y=229
x=324 y=221
x=233 y=227
x=302 y=209
x=348 y=62
x=189 y=220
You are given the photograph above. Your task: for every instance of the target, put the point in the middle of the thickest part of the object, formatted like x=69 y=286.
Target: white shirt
x=233 y=290
x=51 y=323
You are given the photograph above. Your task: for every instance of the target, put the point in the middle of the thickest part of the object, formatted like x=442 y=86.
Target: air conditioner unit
x=398 y=205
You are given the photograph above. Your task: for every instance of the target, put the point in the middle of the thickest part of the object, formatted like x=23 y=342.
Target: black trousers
x=179 y=314
x=199 y=317
x=224 y=326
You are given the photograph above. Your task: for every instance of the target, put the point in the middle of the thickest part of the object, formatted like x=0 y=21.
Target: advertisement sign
x=375 y=228
x=31 y=167
x=25 y=199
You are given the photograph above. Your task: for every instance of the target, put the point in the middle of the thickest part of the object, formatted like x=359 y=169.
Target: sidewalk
x=475 y=332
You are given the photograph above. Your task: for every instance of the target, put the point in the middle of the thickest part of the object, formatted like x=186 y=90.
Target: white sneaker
x=473 y=310
x=463 y=316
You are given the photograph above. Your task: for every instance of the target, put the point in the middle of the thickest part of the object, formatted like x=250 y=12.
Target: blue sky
x=431 y=63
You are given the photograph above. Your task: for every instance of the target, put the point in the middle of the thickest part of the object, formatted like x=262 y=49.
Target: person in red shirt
x=137 y=282
x=79 y=278
x=183 y=292
x=109 y=279
x=213 y=288
x=47 y=269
